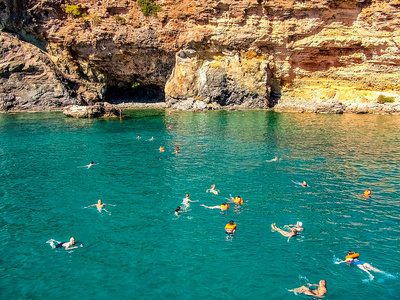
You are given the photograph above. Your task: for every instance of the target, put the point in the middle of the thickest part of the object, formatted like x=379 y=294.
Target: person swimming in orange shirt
x=367 y=193
x=223 y=207
x=230 y=228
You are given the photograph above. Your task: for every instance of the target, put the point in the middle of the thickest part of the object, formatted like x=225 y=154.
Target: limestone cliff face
x=254 y=53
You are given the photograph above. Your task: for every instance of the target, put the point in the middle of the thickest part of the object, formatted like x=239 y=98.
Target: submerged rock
x=98 y=110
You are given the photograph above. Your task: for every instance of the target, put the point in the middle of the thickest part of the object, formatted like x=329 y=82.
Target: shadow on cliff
x=141 y=94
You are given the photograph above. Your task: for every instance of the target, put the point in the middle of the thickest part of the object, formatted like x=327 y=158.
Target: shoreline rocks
x=98 y=110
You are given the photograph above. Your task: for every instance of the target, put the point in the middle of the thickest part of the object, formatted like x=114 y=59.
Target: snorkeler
x=288 y=234
x=178 y=211
x=230 y=228
x=100 y=205
x=67 y=245
x=213 y=190
x=224 y=206
x=308 y=291
x=298 y=226
x=352 y=259
x=89 y=165
x=186 y=201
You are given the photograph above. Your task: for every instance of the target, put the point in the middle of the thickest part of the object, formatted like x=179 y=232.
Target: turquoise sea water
x=142 y=251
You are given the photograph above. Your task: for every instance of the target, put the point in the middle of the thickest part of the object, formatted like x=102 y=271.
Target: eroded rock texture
x=254 y=53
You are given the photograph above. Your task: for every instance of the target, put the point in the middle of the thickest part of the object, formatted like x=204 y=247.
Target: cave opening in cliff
x=135 y=93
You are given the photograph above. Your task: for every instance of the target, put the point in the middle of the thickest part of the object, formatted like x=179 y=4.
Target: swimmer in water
x=162 y=149
x=186 y=201
x=100 y=206
x=230 y=228
x=177 y=149
x=320 y=292
x=298 y=226
x=274 y=159
x=213 y=190
x=367 y=193
x=178 y=211
x=288 y=234
x=303 y=184
x=68 y=245
x=152 y=138
x=88 y=166
x=224 y=206
x=352 y=259
x=138 y=137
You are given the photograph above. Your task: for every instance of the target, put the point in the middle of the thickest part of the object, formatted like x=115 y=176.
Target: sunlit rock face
x=249 y=53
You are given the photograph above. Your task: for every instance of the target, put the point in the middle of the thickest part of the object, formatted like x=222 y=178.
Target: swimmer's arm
x=91 y=205
x=339 y=262
x=69 y=248
x=289 y=238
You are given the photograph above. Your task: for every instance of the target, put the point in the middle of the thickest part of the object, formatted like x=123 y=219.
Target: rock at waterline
x=98 y=110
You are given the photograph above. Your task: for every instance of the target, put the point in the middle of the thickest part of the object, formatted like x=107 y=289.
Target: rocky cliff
x=250 y=53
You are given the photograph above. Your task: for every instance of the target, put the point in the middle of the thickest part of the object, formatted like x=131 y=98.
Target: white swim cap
x=300 y=224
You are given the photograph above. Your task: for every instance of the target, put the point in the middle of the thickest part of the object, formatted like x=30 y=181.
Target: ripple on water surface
x=140 y=250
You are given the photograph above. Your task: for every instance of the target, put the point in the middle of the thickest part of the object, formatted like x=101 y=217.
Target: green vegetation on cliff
x=74 y=10
x=383 y=99
x=149 y=7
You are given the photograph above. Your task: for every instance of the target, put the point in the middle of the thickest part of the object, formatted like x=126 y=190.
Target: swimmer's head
x=231 y=222
x=187 y=195
x=72 y=241
x=178 y=208
x=299 y=224
x=99 y=202
x=350 y=252
x=213 y=185
x=322 y=282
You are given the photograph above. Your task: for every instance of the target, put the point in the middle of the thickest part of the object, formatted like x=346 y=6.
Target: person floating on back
x=298 y=226
x=352 y=259
x=67 y=245
x=288 y=234
x=319 y=292
x=100 y=206
x=213 y=190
